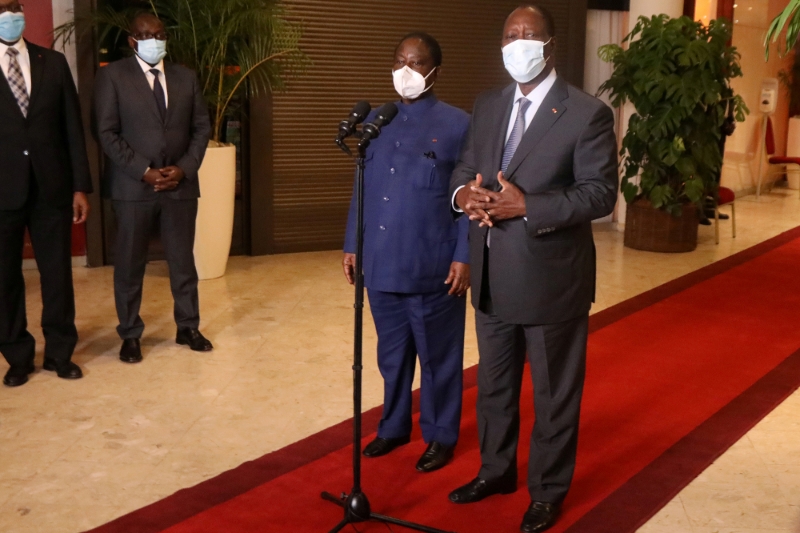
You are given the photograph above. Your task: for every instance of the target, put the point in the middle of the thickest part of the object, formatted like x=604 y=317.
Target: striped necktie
x=17 y=81
x=516 y=133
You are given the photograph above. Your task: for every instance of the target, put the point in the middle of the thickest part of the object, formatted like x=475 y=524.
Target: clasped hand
x=489 y=207
x=164 y=179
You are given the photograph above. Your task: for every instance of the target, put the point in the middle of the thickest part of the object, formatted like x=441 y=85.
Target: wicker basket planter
x=654 y=230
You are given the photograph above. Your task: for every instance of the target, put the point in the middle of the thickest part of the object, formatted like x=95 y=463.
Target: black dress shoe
x=435 y=457
x=131 y=351
x=194 y=339
x=539 y=517
x=478 y=489
x=381 y=446
x=18 y=375
x=63 y=369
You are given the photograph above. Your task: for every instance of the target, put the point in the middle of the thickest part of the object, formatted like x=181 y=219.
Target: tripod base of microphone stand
x=356 y=509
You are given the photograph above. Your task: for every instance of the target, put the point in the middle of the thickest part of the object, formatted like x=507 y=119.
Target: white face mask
x=524 y=59
x=410 y=83
x=152 y=51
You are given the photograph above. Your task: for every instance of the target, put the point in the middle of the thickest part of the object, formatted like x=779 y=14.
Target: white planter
x=214 y=229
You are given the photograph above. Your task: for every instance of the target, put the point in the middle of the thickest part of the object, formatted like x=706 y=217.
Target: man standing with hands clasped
x=152 y=122
x=44 y=178
x=538 y=166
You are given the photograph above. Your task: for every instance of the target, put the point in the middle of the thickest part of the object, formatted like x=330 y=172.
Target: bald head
x=533 y=9
x=145 y=23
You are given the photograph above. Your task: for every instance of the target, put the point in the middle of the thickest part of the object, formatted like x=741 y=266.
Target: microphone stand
x=356 y=505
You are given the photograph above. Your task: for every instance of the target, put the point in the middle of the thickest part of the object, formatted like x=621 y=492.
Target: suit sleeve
x=461 y=254
x=201 y=132
x=594 y=192
x=352 y=222
x=107 y=126
x=465 y=170
x=81 y=178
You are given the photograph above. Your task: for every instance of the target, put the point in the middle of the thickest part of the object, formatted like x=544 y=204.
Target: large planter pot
x=654 y=230
x=214 y=229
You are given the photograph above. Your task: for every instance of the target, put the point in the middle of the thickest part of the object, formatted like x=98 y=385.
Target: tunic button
x=391 y=170
x=383 y=228
x=385 y=198
x=397 y=144
x=25 y=152
x=405 y=117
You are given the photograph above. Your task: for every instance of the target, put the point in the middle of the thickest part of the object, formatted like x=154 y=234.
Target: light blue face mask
x=11 y=26
x=151 y=50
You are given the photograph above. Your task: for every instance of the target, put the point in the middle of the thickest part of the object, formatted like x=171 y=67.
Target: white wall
x=63 y=12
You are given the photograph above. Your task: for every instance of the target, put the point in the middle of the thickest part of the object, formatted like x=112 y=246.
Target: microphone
x=383 y=117
x=356 y=117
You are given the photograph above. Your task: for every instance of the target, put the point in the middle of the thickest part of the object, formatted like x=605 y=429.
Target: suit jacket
x=410 y=238
x=49 y=141
x=133 y=136
x=542 y=270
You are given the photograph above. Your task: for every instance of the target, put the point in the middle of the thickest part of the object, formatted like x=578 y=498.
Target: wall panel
x=351 y=44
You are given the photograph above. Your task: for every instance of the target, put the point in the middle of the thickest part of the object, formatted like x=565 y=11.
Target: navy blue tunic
x=410 y=237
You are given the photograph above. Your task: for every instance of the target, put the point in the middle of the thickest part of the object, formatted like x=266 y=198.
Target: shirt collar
x=537 y=95
x=19 y=45
x=419 y=107
x=146 y=67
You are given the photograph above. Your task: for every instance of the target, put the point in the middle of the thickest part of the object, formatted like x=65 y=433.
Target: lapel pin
x=555 y=110
x=435 y=140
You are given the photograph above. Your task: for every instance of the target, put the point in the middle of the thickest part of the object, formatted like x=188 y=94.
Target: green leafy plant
x=676 y=73
x=788 y=18
x=237 y=47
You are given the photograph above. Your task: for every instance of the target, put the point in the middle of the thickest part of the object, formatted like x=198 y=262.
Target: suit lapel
x=37 y=73
x=549 y=112
x=5 y=90
x=139 y=80
x=174 y=87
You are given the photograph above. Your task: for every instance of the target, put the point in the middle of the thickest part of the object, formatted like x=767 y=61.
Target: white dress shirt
x=536 y=98
x=151 y=79
x=23 y=58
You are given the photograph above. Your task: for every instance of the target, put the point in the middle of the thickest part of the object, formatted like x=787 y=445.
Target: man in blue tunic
x=415 y=257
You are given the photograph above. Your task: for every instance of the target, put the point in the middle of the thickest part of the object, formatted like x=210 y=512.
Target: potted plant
x=676 y=73
x=239 y=49
x=791 y=16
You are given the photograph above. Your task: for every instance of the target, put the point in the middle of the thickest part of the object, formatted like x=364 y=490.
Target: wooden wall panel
x=307 y=181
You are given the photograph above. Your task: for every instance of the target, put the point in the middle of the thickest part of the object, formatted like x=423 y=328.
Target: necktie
x=16 y=81
x=516 y=133
x=158 y=92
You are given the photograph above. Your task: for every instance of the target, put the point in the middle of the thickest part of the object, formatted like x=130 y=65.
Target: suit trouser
x=557 y=357
x=431 y=325
x=50 y=230
x=135 y=224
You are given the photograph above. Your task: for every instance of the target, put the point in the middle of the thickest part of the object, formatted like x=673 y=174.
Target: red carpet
x=675 y=376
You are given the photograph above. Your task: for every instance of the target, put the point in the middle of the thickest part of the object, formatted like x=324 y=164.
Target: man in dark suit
x=44 y=178
x=538 y=166
x=415 y=257
x=152 y=122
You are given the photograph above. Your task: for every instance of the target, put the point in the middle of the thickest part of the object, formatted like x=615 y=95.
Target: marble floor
x=78 y=454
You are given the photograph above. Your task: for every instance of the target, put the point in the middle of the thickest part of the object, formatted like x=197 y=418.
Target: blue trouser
x=430 y=325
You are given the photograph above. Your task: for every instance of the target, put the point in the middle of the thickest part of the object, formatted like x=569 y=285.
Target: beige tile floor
x=74 y=455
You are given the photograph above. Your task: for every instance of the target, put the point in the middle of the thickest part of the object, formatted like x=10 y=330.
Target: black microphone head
x=385 y=114
x=360 y=111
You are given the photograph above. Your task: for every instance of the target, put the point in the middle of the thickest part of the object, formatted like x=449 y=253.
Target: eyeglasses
x=161 y=36
x=12 y=9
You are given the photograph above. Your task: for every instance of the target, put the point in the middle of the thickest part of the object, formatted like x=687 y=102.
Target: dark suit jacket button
x=25 y=152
